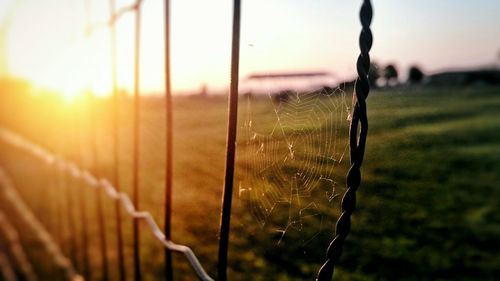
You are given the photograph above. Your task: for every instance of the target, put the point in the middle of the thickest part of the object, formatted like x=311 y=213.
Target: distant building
x=265 y=83
x=465 y=78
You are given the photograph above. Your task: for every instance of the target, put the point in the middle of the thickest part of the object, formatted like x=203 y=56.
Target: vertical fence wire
x=84 y=232
x=101 y=219
x=82 y=200
x=68 y=213
x=77 y=195
x=230 y=146
x=70 y=220
x=169 y=146
x=116 y=167
x=94 y=161
x=103 y=245
x=86 y=117
x=357 y=139
x=136 y=140
x=55 y=212
x=60 y=194
x=85 y=123
x=58 y=220
x=102 y=234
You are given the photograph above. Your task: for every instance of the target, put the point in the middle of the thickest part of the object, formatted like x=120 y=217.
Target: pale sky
x=46 y=42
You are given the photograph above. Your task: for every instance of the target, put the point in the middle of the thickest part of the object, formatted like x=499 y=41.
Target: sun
x=66 y=62
x=68 y=72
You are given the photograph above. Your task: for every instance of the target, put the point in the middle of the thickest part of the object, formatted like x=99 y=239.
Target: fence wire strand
x=136 y=141
x=169 y=145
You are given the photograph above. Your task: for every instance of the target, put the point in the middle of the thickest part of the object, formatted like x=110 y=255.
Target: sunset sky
x=45 y=41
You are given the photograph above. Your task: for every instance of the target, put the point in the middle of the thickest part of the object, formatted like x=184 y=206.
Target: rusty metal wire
x=357 y=142
x=169 y=144
x=136 y=142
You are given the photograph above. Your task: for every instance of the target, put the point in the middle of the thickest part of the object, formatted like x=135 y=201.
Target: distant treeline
x=388 y=76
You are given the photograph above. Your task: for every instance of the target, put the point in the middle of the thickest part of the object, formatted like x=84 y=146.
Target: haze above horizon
x=45 y=42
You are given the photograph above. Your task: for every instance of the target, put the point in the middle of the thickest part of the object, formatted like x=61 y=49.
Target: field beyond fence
x=428 y=207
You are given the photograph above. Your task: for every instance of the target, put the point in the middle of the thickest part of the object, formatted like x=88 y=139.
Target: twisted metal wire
x=357 y=142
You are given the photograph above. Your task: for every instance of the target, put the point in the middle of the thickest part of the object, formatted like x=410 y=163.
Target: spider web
x=290 y=148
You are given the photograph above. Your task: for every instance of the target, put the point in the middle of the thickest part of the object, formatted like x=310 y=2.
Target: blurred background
x=428 y=206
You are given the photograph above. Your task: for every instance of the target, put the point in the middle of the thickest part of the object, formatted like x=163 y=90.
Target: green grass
x=428 y=207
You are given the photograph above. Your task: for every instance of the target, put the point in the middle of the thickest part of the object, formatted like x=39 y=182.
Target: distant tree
x=390 y=74
x=374 y=74
x=415 y=75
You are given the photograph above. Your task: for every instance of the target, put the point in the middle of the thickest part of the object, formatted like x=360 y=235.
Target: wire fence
x=89 y=180
x=83 y=160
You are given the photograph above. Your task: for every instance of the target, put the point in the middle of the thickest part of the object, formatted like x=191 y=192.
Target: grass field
x=428 y=207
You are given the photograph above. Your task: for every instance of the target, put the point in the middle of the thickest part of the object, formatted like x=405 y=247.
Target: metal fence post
x=136 y=136
x=169 y=145
x=230 y=145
